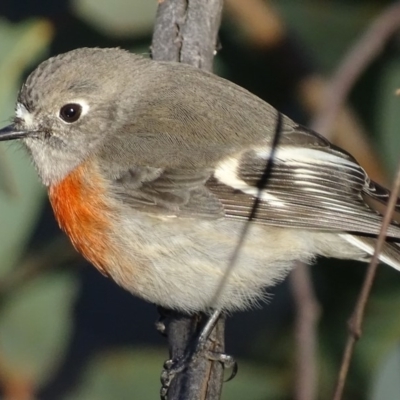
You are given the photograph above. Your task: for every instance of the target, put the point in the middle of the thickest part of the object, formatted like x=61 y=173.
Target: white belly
x=180 y=264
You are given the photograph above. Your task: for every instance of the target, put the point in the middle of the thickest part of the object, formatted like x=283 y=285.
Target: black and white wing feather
x=309 y=184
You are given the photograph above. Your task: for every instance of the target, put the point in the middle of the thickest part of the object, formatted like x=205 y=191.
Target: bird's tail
x=389 y=255
x=377 y=197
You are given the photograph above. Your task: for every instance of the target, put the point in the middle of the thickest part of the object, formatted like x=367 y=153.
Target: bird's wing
x=168 y=192
x=305 y=182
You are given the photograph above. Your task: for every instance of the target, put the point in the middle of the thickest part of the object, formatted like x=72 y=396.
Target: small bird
x=153 y=169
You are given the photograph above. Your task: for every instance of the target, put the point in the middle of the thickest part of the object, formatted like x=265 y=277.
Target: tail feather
x=390 y=253
x=377 y=197
x=381 y=194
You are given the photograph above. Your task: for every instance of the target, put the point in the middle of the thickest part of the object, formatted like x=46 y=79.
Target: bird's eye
x=70 y=112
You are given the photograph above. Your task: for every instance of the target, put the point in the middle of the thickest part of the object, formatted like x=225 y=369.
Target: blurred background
x=66 y=332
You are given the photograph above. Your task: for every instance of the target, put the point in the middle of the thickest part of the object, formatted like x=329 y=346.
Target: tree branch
x=186 y=31
x=307 y=316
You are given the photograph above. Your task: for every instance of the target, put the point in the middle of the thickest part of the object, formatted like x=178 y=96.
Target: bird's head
x=67 y=107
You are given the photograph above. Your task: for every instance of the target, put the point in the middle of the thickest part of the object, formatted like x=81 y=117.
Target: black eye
x=70 y=112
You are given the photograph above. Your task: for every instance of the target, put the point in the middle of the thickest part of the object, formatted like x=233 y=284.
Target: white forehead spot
x=22 y=113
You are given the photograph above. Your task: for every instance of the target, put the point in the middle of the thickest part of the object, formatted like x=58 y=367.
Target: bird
x=155 y=170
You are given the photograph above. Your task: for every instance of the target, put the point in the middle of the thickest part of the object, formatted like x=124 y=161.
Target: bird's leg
x=226 y=360
x=206 y=331
x=174 y=366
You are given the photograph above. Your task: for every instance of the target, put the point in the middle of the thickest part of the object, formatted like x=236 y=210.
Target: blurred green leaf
x=21 y=45
x=388 y=113
x=118 y=17
x=35 y=325
x=122 y=374
x=254 y=383
x=328 y=28
x=381 y=330
x=386 y=383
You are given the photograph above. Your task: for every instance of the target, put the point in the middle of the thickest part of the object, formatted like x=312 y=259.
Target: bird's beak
x=10 y=133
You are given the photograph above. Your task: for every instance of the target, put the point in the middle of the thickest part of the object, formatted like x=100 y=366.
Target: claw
x=235 y=368
x=170 y=369
x=226 y=360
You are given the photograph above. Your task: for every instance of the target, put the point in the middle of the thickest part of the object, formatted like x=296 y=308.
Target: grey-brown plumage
x=176 y=156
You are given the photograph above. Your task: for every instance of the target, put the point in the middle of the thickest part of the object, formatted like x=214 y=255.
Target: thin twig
x=356 y=320
x=13 y=384
x=357 y=60
x=307 y=316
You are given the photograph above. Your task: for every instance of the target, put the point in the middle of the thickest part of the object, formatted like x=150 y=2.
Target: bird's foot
x=226 y=360
x=175 y=366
